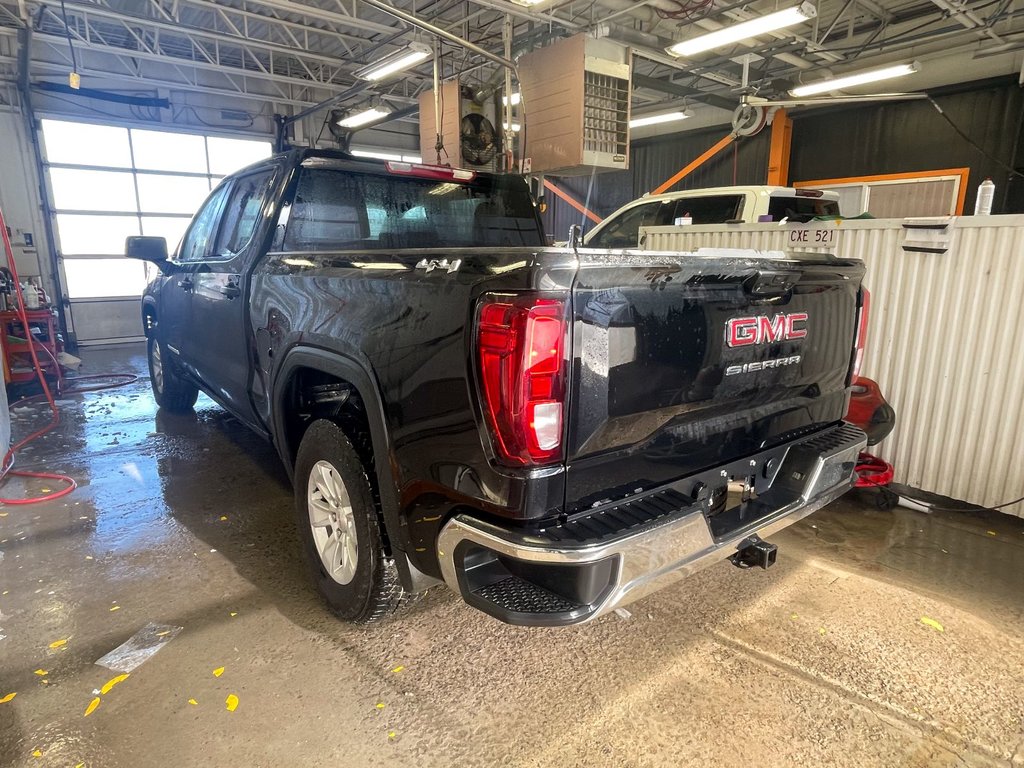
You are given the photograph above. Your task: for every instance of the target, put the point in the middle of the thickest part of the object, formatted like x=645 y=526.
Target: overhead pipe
x=433 y=29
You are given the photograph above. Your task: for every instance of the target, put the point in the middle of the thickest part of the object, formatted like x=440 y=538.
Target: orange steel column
x=688 y=169
x=573 y=202
x=778 y=153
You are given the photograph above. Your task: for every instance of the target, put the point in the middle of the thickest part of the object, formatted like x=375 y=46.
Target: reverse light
x=862 y=330
x=520 y=342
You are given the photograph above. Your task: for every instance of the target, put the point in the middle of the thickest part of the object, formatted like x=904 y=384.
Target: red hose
x=8 y=462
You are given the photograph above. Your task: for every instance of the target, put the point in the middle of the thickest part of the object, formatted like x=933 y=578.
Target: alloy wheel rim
x=158 y=367
x=332 y=522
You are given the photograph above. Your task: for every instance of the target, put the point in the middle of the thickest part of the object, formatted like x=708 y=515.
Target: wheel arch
x=355 y=374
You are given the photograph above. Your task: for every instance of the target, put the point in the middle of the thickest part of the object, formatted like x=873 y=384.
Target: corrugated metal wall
x=944 y=342
x=894 y=137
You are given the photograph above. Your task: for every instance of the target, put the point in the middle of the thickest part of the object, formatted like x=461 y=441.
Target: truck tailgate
x=682 y=362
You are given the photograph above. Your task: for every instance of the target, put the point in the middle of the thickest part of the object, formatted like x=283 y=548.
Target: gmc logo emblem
x=747 y=331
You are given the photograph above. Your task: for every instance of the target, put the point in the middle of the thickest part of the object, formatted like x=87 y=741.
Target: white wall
x=19 y=199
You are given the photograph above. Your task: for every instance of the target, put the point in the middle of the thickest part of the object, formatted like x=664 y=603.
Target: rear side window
x=337 y=209
x=801 y=209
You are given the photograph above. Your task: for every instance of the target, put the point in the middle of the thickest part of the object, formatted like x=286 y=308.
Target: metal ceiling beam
x=153 y=49
x=686 y=92
x=194 y=33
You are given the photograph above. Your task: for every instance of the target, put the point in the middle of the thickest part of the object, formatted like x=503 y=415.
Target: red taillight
x=521 y=351
x=862 y=330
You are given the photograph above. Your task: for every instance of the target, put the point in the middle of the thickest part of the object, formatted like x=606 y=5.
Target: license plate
x=812 y=237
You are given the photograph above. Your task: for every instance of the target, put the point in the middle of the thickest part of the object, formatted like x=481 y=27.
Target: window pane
x=86 y=144
x=196 y=246
x=92 y=190
x=94 y=235
x=171 y=228
x=241 y=214
x=230 y=155
x=171 y=194
x=162 y=151
x=92 y=278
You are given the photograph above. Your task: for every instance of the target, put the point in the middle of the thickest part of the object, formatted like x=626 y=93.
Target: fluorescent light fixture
x=744 y=30
x=516 y=127
x=357 y=119
x=529 y=3
x=848 y=81
x=517 y=97
x=396 y=62
x=665 y=117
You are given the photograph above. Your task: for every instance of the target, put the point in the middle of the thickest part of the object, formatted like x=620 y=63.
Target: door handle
x=231 y=291
x=185 y=283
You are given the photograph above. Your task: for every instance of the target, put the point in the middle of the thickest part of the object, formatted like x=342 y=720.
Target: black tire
x=373 y=590
x=170 y=390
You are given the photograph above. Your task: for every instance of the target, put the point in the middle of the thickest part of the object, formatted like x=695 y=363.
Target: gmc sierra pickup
x=552 y=432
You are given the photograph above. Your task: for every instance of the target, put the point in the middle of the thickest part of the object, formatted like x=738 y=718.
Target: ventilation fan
x=478 y=141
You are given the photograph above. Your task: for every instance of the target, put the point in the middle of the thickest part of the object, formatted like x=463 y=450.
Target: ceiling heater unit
x=575 y=106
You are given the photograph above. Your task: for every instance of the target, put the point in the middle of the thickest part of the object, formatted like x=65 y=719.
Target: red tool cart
x=43 y=330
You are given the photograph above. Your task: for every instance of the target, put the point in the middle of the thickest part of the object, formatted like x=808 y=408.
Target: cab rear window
x=801 y=209
x=336 y=209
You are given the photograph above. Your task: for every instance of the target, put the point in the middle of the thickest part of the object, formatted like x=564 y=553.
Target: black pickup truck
x=552 y=432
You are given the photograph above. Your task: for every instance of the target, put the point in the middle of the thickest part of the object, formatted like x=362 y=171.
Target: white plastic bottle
x=986 y=194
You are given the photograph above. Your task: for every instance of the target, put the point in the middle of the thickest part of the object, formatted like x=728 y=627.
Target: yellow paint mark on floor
x=398 y=669
x=59 y=643
x=231 y=702
x=218 y=671
x=932 y=623
x=41 y=672
x=8 y=697
x=193 y=702
x=92 y=706
x=111 y=683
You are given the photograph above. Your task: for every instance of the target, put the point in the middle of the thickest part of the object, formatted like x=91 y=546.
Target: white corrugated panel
x=945 y=337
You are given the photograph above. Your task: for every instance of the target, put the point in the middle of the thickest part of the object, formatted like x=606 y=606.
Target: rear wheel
x=170 y=390
x=339 y=528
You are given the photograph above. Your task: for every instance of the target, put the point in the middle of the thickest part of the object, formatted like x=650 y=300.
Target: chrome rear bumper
x=557 y=577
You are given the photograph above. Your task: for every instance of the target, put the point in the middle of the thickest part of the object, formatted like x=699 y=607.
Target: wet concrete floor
x=881 y=638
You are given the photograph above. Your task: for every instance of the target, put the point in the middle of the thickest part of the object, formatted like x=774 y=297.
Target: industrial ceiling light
x=529 y=3
x=517 y=97
x=848 y=81
x=396 y=62
x=357 y=119
x=745 y=29
x=665 y=117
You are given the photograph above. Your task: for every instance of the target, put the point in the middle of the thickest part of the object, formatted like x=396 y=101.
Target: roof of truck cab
x=756 y=189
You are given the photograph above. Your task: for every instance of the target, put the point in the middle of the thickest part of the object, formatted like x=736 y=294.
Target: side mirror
x=152 y=249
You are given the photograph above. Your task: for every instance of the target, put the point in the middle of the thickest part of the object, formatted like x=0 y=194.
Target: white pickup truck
x=714 y=205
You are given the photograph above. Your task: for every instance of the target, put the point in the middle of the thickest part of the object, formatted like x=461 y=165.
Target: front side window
x=198 y=240
x=242 y=213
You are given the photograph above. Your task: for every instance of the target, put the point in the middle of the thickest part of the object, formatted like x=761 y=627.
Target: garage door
x=108 y=182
